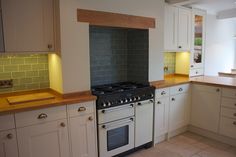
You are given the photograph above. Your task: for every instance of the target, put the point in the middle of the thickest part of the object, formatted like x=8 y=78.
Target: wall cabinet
x=47 y=139
x=206 y=107
x=83 y=130
x=177 y=35
x=28 y=25
x=8 y=144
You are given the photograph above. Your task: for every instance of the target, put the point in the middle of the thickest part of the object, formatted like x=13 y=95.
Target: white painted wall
x=75 y=38
x=220 y=46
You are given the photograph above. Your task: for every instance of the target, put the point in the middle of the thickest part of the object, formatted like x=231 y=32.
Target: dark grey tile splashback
x=118 y=55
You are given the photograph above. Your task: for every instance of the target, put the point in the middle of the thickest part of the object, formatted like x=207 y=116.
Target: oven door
x=116 y=137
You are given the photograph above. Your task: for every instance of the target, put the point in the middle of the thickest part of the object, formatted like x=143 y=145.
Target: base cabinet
x=8 y=144
x=44 y=140
x=83 y=136
x=206 y=107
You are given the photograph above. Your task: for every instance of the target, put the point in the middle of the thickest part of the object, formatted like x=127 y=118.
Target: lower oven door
x=116 y=137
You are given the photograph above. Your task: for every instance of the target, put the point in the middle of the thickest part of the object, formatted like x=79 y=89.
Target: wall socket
x=166 y=68
x=6 y=84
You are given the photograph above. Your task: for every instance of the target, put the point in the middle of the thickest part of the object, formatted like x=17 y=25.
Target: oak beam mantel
x=99 y=18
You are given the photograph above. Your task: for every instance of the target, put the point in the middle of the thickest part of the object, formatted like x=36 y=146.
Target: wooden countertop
x=59 y=99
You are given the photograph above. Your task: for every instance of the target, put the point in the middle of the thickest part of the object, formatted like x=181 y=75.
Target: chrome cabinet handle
x=9 y=136
x=62 y=124
x=90 y=118
x=42 y=116
x=180 y=89
x=139 y=104
x=180 y=47
x=192 y=66
x=117 y=109
x=122 y=123
x=163 y=93
x=151 y=101
x=158 y=102
x=173 y=99
x=81 y=109
x=217 y=90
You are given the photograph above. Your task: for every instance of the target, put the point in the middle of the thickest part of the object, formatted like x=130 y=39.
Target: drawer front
x=179 y=89
x=162 y=92
x=81 y=108
x=231 y=93
x=40 y=116
x=230 y=113
x=228 y=127
x=206 y=88
x=7 y=122
x=196 y=72
x=228 y=102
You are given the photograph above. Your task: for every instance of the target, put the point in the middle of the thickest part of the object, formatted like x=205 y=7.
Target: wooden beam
x=226 y=14
x=99 y=18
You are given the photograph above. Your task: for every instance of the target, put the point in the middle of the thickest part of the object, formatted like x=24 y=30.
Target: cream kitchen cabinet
x=28 y=26
x=206 y=107
x=82 y=123
x=161 y=112
x=8 y=143
x=177 y=35
x=198 y=42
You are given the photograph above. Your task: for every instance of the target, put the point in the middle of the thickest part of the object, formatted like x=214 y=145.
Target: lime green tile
x=15 y=82
x=43 y=59
x=19 y=87
x=38 y=67
x=32 y=60
x=17 y=60
x=11 y=68
x=18 y=74
x=1 y=69
x=38 y=79
x=5 y=61
x=25 y=80
x=25 y=67
x=44 y=85
x=5 y=75
x=33 y=86
x=32 y=73
x=43 y=73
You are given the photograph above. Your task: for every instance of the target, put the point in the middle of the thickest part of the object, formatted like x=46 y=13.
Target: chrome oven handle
x=117 y=109
x=121 y=123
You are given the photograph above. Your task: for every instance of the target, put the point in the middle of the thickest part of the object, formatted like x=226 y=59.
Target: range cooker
x=124 y=117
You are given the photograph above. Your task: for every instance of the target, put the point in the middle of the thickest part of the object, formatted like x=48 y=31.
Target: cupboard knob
x=139 y=104
x=81 y=109
x=9 y=136
x=217 y=89
x=235 y=114
x=180 y=47
x=234 y=123
x=49 y=46
x=192 y=66
x=62 y=124
x=173 y=99
x=163 y=93
x=180 y=89
x=90 y=118
x=158 y=102
x=151 y=101
x=42 y=116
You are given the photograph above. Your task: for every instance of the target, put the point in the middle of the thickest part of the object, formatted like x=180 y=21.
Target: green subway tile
x=46 y=66
x=5 y=75
x=33 y=86
x=16 y=60
x=1 y=69
x=25 y=80
x=38 y=66
x=15 y=82
x=38 y=79
x=43 y=73
x=19 y=87
x=43 y=59
x=25 y=67
x=30 y=60
x=44 y=85
x=32 y=73
x=18 y=74
x=5 y=61
x=6 y=90
x=11 y=68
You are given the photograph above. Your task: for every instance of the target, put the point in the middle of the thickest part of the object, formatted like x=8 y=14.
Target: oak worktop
x=59 y=99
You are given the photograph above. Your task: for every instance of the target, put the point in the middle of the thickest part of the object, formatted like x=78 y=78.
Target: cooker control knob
x=104 y=104
x=125 y=100
x=138 y=98
x=108 y=103
x=120 y=101
x=134 y=98
x=130 y=99
x=151 y=95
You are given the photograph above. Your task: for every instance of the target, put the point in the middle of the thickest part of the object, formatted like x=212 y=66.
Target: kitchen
x=64 y=60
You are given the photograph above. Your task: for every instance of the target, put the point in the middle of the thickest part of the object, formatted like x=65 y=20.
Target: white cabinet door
x=184 y=29
x=179 y=111
x=161 y=116
x=171 y=28
x=8 y=144
x=28 y=25
x=143 y=123
x=205 y=107
x=44 y=140
x=83 y=136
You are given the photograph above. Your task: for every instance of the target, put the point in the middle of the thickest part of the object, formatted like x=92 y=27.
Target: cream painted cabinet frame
x=8 y=143
x=28 y=25
x=198 y=42
x=177 y=34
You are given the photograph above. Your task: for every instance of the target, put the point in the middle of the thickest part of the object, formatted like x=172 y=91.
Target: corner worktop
x=59 y=99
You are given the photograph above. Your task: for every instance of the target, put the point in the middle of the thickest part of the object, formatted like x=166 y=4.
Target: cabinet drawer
x=229 y=93
x=227 y=102
x=162 y=92
x=39 y=116
x=228 y=127
x=196 y=72
x=80 y=108
x=7 y=122
x=206 y=88
x=230 y=113
x=179 y=89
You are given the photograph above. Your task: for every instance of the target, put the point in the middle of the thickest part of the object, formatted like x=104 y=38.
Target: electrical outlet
x=6 y=83
x=166 y=68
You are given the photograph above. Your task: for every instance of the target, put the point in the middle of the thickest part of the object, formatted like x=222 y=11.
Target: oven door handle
x=117 y=109
x=114 y=125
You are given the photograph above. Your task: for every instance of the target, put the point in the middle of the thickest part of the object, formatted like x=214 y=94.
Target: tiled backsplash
x=169 y=61
x=118 y=55
x=28 y=72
